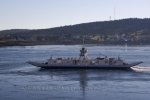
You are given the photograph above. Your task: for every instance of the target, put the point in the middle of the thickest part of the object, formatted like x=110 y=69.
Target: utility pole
x=114 y=13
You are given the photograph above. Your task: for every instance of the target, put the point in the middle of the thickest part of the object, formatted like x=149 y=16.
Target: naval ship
x=84 y=62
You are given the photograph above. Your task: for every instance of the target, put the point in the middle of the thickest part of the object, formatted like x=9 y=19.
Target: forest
x=133 y=31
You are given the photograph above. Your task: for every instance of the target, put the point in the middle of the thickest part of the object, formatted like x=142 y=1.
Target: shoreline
x=88 y=44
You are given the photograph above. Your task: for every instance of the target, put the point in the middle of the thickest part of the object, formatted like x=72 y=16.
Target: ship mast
x=83 y=51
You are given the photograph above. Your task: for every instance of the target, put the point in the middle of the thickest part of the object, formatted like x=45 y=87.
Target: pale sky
x=39 y=14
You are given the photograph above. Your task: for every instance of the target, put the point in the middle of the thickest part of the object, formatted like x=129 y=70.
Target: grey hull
x=46 y=66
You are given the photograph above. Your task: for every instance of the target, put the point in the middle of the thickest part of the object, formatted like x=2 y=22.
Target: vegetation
x=133 y=31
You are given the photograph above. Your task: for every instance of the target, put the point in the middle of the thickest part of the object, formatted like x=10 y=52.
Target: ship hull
x=48 y=66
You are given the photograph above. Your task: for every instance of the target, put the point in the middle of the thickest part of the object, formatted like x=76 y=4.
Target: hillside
x=133 y=31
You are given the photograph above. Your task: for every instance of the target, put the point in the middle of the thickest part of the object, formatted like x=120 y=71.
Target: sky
x=40 y=14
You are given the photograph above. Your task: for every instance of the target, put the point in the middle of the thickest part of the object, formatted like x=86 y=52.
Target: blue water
x=19 y=80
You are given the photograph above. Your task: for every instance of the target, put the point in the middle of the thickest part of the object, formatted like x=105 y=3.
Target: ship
x=84 y=62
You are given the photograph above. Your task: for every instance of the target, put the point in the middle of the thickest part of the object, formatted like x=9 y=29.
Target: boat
x=84 y=62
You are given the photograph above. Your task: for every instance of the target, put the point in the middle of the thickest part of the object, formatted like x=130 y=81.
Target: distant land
x=133 y=31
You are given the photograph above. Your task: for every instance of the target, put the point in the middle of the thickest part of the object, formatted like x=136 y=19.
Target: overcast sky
x=38 y=14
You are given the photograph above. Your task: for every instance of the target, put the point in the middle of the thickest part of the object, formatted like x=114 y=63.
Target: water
x=19 y=80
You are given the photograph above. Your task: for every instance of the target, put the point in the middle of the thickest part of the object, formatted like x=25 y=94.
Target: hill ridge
x=136 y=30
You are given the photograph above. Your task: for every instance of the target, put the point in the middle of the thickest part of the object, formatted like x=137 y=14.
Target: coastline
x=88 y=44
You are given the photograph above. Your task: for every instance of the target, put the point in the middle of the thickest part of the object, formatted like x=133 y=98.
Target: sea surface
x=21 y=81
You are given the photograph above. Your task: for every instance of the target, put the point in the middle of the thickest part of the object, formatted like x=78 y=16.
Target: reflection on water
x=106 y=81
x=19 y=80
x=75 y=84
